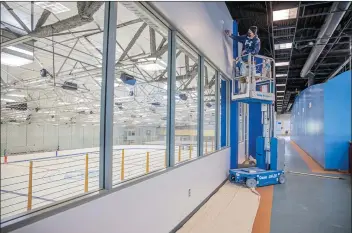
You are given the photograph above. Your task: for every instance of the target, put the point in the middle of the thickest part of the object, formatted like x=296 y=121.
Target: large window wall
x=209 y=124
x=186 y=102
x=97 y=103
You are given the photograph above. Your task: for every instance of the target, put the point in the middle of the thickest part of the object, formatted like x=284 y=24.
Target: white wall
x=203 y=24
x=155 y=205
x=283 y=121
x=35 y=137
x=23 y=138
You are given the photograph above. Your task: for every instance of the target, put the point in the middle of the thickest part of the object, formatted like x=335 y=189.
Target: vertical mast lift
x=254 y=81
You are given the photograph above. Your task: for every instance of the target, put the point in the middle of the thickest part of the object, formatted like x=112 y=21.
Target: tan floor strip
x=232 y=209
x=311 y=163
x=263 y=218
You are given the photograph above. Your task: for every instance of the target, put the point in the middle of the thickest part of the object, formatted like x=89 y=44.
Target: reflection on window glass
x=140 y=102
x=222 y=113
x=209 y=109
x=50 y=103
x=186 y=113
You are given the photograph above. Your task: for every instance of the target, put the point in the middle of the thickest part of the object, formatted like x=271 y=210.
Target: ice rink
x=62 y=176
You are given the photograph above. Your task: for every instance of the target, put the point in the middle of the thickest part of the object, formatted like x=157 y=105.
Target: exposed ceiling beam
x=133 y=41
x=161 y=43
x=43 y=18
x=152 y=40
x=15 y=16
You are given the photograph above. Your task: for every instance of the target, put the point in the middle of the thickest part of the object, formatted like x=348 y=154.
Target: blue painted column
x=234 y=112
x=255 y=127
x=223 y=126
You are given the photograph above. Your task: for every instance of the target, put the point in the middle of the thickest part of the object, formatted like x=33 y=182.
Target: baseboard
x=188 y=217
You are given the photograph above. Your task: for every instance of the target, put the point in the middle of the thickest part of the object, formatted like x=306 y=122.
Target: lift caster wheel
x=282 y=179
x=232 y=178
x=251 y=183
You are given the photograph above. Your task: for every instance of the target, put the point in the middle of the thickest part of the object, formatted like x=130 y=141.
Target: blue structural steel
x=255 y=127
x=223 y=118
x=321 y=121
x=234 y=113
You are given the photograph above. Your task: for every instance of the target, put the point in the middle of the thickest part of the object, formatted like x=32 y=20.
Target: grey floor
x=306 y=204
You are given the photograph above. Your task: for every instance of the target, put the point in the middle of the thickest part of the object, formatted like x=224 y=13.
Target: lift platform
x=253 y=79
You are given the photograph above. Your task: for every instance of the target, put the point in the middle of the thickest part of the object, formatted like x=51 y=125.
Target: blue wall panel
x=321 y=121
x=337 y=121
x=307 y=119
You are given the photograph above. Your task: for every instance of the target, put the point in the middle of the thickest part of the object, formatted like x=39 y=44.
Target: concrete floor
x=310 y=204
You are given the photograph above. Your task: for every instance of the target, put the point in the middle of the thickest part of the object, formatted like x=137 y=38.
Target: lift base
x=256 y=177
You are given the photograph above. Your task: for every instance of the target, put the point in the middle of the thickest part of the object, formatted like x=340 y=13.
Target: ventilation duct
x=326 y=31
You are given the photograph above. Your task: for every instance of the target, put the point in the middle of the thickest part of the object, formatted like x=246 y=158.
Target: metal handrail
x=250 y=77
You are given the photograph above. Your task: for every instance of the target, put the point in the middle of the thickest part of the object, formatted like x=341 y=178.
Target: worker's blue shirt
x=250 y=45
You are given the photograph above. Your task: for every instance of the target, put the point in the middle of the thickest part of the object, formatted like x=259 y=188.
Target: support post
x=200 y=132
x=206 y=147
x=30 y=186
x=107 y=96
x=171 y=86
x=217 y=110
x=147 y=164
x=165 y=165
x=122 y=176
x=86 y=175
x=179 y=153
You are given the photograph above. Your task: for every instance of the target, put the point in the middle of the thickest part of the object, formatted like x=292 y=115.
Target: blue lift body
x=263 y=175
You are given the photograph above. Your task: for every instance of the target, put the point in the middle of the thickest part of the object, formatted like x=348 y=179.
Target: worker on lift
x=251 y=45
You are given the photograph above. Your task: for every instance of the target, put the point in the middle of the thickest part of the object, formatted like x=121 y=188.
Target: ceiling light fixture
x=285 y=14
x=281 y=75
x=280 y=91
x=13 y=60
x=284 y=63
x=280 y=85
x=283 y=46
x=36 y=81
x=8 y=100
x=152 y=64
x=30 y=53
x=53 y=7
x=17 y=95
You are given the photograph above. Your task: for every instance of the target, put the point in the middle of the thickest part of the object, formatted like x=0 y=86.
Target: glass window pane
x=140 y=102
x=223 y=112
x=209 y=109
x=186 y=112
x=50 y=106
